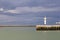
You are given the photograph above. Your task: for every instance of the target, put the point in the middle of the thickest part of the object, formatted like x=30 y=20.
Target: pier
x=47 y=27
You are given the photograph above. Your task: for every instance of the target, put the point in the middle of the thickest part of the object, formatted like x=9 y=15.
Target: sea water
x=27 y=33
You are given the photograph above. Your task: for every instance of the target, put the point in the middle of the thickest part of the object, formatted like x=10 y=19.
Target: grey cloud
x=10 y=4
x=29 y=17
x=20 y=10
x=34 y=18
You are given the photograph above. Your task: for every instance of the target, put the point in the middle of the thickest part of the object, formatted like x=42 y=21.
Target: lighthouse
x=47 y=27
x=45 y=20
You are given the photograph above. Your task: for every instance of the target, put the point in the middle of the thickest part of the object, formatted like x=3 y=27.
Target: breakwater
x=47 y=27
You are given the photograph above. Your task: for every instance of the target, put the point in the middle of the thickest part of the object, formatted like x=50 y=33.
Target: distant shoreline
x=17 y=26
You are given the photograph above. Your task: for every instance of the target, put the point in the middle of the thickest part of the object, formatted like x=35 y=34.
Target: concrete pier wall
x=47 y=27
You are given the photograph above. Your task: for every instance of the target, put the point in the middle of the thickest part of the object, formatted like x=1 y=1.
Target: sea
x=27 y=33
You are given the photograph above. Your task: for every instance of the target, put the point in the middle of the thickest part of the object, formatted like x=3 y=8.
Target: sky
x=29 y=12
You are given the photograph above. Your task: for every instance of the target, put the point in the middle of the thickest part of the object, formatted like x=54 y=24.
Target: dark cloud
x=35 y=18
x=18 y=3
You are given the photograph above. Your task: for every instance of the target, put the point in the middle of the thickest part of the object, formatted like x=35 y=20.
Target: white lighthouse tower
x=45 y=20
